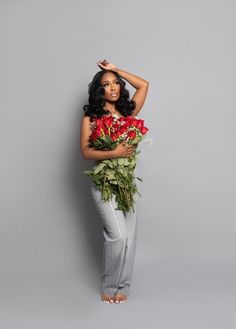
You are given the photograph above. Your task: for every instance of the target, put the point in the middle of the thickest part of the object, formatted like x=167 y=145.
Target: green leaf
x=110 y=164
x=108 y=172
x=121 y=170
x=121 y=161
x=99 y=168
x=111 y=177
x=126 y=162
x=108 y=139
x=114 y=181
x=136 y=140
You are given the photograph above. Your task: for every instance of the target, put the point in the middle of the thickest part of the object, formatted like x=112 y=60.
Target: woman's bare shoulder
x=86 y=129
x=86 y=120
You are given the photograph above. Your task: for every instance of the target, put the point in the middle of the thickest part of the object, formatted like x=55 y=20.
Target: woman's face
x=111 y=86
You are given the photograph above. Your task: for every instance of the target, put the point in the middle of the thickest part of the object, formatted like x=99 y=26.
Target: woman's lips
x=114 y=94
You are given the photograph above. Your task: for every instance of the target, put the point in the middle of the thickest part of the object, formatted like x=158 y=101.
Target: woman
x=107 y=94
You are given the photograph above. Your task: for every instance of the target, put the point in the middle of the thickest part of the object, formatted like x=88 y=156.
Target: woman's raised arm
x=137 y=82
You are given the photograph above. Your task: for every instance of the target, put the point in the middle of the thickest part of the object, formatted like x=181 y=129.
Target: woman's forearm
x=134 y=80
x=92 y=154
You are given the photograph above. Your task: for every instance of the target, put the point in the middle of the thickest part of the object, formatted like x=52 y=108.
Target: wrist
x=113 y=154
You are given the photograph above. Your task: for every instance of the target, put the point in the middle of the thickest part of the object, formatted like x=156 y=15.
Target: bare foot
x=120 y=298
x=107 y=298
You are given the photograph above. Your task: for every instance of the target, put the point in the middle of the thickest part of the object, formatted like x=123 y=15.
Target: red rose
x=121 y=119
x=98 y=122
x=121 y=130
x=116 y=125
x=144 y=130
x=98 y=132
x=134 y=122
x=131 y=134
x=108 y=121
x=130 y=120
x=114 y=137
x=140 y=124
x=95 y=135
x=106 y=131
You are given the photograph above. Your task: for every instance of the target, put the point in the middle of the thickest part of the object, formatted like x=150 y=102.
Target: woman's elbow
x=145 y=84
x=84 y=153
x=85 y=156
x=87 y=153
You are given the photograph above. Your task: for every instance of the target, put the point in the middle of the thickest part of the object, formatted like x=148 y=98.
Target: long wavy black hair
x=96 y=101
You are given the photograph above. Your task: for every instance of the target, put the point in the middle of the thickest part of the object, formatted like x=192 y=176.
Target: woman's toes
x=107 y=298
x=120 y=298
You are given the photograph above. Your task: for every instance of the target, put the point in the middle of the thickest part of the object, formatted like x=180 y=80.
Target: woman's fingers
x=131 y=149
x=104 y=62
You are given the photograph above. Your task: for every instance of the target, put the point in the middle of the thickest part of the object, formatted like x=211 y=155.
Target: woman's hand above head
x=124 y=150
x=106 y=65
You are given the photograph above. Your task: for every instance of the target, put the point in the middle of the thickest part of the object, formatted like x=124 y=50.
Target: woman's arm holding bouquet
x=90 y=153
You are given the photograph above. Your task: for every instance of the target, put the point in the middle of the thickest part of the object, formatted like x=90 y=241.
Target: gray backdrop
x=50 y=244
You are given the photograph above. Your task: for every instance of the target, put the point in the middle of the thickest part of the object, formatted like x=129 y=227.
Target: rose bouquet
x=116 y=176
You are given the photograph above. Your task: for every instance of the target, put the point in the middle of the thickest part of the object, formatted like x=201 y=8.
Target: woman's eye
x=106 y=84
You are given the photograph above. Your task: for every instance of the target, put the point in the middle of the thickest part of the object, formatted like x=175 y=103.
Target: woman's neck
x=111 y=107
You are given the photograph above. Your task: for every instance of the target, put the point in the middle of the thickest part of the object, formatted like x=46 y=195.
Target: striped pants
x=120 y=232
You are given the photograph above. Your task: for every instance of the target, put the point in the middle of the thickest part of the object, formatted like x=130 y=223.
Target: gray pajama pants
x=120 y=232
